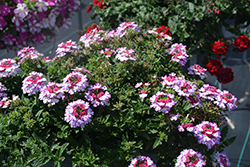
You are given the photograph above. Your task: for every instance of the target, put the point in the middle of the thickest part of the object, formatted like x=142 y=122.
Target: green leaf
x=157 y=142
x=191 y=7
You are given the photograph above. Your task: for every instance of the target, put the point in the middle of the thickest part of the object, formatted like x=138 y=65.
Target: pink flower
x=8 y=68
x=124 y=55
x=221 y=160
x=226 y=100
x=184 y=88
x=9 y=39
x=197 y=70
x=4 y=10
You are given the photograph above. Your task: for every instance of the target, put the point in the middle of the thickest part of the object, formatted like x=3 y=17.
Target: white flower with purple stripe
x=188 y=158
x=33 y=83
x=8 y=67
x=209 y=92
x=51 y=93
x=162 y=101
x=226 y=100
x=78 y=113
x=221 y=160
x=184 y=88
x=75 y=82
x=123 y=54
x=2 y=89
x=98 y=95
x=196 y=69
x=142 y=161
x=207 y=133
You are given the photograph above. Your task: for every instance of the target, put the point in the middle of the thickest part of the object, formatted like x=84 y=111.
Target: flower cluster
x=123 y=54
x=98 y=95
x=29 y=53
x=64 y=48
x=207 y=133
x=94 y=36
x=33 y=83
x=214 y=66
x=184 y=88
x=108 y=52
x=142 y=161
x=221 y=160
x=94 y=26
x=242 y=43
x=189 y=127
x=226 y=100
x=170 y=80
x=5 y=102
x=179 y=53
x=8 y=68
x=224 y=75
x=189 y=157
x=163 y=31
x=197 y=70
x=209 y=92
x=123 y=27
x=74 y=82
x=78 y=113
x=162 y=101
x=144 y=90
x=51 y=93
x=219 y=48
x=30 y=20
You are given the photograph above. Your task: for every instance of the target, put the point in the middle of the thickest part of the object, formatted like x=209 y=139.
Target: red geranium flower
x=219 y=48
x=225 y=75
x=95 y=2
x=214 y=66
x=92 y=27
x=90 y=7
x=242 y=43
x=165 y=30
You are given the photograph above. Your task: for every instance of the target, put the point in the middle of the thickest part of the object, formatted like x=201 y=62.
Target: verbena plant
x=112 y=97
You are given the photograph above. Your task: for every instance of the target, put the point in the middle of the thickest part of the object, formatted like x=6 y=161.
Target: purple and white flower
x=184 y=88
x=188 y=158
x=2 y=89
x=170 y=80
x=209 y=92
x=33 y=83
x=78 y=113
x=5 y=102
x=21 y=10
x=123 y=54
x=142 y=161
x=75 y=82
x=221 y=160
x=207 y=133
x=196 y=69
x=174 y=117
x=51 y=93
x=98 y=95
x=8 y=67
x=122 y=29
x=66 y=47
x=179 y=53
x=226 y=100
x=162 y=101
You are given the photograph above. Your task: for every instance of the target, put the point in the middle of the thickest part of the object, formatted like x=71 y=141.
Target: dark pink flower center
x=79 y=111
